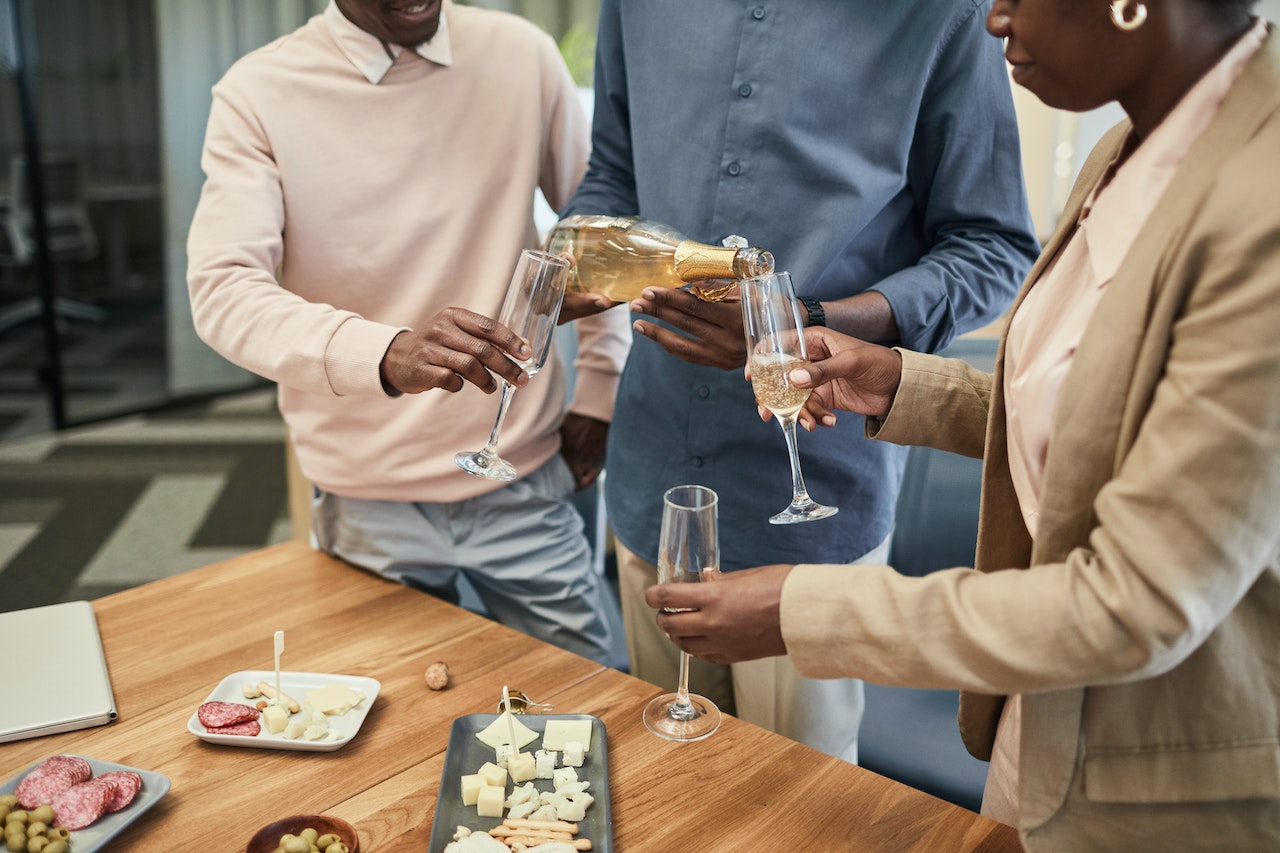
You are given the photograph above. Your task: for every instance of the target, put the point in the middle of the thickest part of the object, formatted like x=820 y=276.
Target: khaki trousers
x=821 y=713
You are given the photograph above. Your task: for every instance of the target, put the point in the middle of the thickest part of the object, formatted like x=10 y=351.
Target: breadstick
x=269 y=691
x=520 y=832
x=554 y=825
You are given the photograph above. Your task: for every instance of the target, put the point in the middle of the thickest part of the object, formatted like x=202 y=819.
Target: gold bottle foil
x=698 y=262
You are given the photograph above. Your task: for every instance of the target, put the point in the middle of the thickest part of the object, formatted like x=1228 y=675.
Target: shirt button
x=735 y=169
x=745 y=90
x=758 y=13
x=696 y=461
x=704 y=392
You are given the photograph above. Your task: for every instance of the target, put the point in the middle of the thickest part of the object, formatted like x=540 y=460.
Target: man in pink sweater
x=370 y=184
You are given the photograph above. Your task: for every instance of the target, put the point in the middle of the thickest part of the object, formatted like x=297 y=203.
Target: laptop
x=64 y=667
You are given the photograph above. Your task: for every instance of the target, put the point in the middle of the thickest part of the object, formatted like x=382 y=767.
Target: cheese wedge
x=495 y=734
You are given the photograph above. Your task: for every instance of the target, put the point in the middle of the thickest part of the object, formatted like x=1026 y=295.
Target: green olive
x=37 y=827
x=44 y=814
x=309 y=834
x=9 y=800
x=17 y=816
x=15 y=842
x=294 y=844
x=337 y=847
x=5 y=808
x=325 y=840
x=58 y=845
x=37 y=844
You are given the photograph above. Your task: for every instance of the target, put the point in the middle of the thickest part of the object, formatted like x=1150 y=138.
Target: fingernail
x=829 y=420
x=800 y=376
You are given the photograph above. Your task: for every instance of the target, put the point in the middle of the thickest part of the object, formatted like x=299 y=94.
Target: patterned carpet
x=94 y=510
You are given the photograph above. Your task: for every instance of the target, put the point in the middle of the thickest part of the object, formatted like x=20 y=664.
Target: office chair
x=907 y=734
x=70 y=234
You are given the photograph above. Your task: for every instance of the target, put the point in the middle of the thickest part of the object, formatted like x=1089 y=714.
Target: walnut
x=437 y=676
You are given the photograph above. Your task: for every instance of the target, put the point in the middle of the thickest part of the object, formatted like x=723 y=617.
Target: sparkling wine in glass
x=530 y=310
x=688 y=552
x=775 y=347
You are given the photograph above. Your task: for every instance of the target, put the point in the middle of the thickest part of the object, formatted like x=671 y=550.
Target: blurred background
x=111 y=97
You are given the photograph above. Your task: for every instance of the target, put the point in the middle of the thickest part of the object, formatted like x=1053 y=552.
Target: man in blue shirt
x=872 y=147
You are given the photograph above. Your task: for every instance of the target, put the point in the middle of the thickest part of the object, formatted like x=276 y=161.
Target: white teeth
x=413 y=10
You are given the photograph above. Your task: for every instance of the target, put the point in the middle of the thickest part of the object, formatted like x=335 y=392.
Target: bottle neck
x=699 y=261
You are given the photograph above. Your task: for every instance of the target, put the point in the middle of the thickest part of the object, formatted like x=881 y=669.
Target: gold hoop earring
x=1120 y=17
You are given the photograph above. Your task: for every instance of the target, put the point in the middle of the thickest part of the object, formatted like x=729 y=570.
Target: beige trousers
x=821 y=713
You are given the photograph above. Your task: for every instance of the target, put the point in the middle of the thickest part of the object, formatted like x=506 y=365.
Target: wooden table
x=169 y=643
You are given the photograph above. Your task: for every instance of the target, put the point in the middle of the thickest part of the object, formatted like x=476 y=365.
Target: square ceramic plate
x=342 y=728
x=466 y=753
x=107 y=827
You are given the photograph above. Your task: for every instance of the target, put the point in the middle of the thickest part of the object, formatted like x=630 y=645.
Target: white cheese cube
x=573 y=753
x=493 y=775
x=571 y=811
x=522 y=767
x=563 y=776
x=503 y=753
x=471 y=785
x=489 y=801
x=545 y=762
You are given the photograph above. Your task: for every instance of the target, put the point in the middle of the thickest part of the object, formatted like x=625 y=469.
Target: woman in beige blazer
x=1137 y=633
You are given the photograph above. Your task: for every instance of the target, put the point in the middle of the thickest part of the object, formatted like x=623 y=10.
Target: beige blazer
x=1145 y=636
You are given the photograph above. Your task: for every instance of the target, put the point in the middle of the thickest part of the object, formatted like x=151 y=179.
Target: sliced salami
x=80 y=805
x=221 y=714
x=127 y=785
x=50 y=778
x=250 y=728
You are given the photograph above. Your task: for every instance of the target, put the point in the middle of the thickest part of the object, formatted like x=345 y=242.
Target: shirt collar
x=372 y=56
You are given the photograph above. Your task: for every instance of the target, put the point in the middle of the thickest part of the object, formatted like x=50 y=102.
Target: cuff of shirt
x=354 y=355
x=900 y=426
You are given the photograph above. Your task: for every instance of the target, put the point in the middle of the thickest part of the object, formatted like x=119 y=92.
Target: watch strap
x=817 y=317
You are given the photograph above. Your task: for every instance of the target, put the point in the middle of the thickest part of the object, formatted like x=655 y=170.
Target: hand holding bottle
x=710 y=332
x=457 y=346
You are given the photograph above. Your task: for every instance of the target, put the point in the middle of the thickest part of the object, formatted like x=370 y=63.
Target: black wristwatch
x=817 y=317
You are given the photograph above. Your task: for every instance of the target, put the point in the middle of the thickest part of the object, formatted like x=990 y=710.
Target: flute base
x=482 y=463
x=803 y=511
x=699 y=720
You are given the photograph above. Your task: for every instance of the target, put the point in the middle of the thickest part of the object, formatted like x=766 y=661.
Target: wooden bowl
x=267 y=839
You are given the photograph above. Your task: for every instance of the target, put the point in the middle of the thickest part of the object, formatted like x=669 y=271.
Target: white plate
x=342 y=728
x=107 y=827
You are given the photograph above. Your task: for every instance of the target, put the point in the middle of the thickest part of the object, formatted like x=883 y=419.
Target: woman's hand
x=845 y=373
x=736 y=616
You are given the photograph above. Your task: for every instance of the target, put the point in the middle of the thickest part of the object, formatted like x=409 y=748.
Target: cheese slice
x=495 y=734
x=560 y=732
x=335 y=699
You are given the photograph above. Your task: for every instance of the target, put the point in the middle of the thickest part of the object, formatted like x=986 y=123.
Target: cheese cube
x=563 y=776
x=503 y=753
x=545 y=763
x=560 y=732
x=573 y=754
x=493 y=774
x=471 y=785
x=489 y=801
x=276 y=717
x=522 y=767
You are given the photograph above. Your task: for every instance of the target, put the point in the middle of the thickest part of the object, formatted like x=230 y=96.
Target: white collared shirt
x=373 y=56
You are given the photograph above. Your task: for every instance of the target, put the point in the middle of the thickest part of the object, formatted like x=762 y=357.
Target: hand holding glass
x=775 y=347
x=530 y=310
x=688 y=551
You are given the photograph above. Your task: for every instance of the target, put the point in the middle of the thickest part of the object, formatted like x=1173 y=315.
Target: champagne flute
x=688 y=551
x=530 y=310
x=775 y=347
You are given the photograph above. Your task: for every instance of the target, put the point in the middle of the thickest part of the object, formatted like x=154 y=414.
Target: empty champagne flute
x=530 y=310
x=775 y=347
x=688 y=552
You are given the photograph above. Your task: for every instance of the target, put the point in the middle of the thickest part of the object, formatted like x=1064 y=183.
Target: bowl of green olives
x=306 y=833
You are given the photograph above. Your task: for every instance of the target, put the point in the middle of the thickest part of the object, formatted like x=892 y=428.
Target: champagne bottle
x=619 y=256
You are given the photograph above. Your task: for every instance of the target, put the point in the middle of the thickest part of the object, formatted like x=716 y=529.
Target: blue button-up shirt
x=869 y=145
